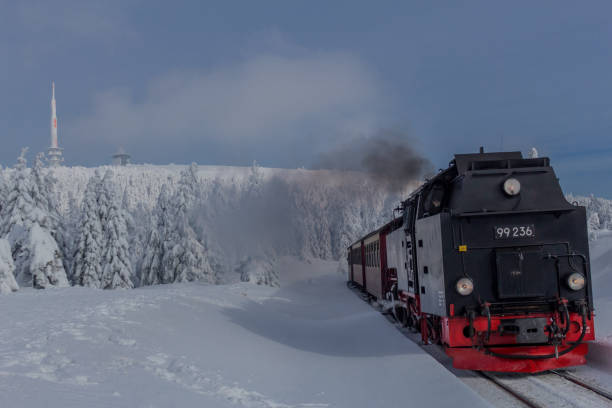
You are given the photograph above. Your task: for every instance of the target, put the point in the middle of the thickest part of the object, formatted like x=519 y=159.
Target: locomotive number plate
x=514 y=231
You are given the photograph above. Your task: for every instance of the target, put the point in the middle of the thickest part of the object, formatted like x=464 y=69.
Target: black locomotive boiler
x=491 y=261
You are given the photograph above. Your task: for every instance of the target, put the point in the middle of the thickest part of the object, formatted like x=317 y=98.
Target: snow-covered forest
x=123 y=227
x=599 y=213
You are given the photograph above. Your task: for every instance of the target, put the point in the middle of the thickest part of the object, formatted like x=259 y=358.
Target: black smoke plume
x=387 y=157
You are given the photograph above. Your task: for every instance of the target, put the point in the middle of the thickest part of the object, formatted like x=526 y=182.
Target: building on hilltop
x=121 y=158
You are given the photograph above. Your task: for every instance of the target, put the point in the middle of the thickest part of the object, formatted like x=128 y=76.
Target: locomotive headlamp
x=512 y=187
x=576 y=281
x=465 y=286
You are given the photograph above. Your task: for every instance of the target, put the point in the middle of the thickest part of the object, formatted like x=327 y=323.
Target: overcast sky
x=281 y=82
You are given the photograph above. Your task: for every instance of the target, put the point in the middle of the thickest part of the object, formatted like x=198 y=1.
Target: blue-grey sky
x=280 y=82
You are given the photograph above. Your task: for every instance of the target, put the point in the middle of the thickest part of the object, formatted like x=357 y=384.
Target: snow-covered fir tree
x=8 y=283
x=258 y=271
x=45 y=267
x=15 y=231
x=44 y=196
x=184 y=256
x=19 y=205
x=117 y=266
x=174 y=253
x=4 y=190
x=87 y=264
x=70 y=219
x=136 y=233
x=593 y=222
x=29 y=222
x=41 y=193
x=102 y=256
x=599 y=213
x=151 y=271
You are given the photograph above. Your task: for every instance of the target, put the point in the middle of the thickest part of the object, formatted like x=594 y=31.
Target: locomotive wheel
x=400 y=314
x=412 y=320
x=407 y=320
x=396 y=309
x=434 y=330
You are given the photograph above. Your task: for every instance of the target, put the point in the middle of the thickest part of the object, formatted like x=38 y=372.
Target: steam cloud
x=387 y=157
x=283 y=214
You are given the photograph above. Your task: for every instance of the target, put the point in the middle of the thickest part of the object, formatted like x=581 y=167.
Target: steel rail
x=578 y=381
x=521 y=397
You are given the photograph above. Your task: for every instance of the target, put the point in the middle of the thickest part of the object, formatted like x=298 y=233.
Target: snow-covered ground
x=311 y=343
x=600 y=355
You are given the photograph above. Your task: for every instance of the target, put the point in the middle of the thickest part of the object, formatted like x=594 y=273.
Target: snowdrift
x=600 y=354
x=310 y=344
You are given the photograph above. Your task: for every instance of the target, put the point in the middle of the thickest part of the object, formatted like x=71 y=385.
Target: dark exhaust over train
x=488 y=259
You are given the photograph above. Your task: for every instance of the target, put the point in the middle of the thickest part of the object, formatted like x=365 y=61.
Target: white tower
x=54 y=153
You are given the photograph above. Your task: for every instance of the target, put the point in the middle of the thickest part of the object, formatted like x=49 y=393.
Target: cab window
x=433 y=200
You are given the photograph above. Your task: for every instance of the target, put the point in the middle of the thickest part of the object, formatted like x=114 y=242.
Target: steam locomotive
x=489 y=260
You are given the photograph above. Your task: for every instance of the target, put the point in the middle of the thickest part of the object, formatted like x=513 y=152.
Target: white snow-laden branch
x=8 y=283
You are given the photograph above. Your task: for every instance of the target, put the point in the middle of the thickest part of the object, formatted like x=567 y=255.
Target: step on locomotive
x=489 y=260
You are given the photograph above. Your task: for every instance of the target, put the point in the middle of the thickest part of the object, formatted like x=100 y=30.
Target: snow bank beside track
x=599 y=359
x=311 y=343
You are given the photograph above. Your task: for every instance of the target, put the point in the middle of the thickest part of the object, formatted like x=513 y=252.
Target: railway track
x=577 y=380
x=550 y=389
x=556 y=388
x=525 y=400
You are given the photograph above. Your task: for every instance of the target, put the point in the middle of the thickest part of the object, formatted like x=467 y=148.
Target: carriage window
x=373 y=254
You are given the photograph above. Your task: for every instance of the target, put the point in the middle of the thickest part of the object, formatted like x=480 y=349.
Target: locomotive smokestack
x=481 y=149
